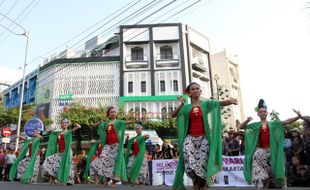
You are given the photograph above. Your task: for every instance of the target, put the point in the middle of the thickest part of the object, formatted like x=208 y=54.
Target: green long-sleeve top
x=29 y=171
x=276 y=137
x=119 y=126
x=213 y=130
x=137 y=164
x=52 y=148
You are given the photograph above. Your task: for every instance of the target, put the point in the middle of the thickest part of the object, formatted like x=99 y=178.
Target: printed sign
x=6 y=131
x=232 y=173
x=32 y=125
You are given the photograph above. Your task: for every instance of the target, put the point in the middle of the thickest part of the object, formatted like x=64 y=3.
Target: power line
x=12 y=7
x=76 y=60
x=87 y=62
x=15 y=20
x=192 y=10
x=89 y=28
x=4 y=16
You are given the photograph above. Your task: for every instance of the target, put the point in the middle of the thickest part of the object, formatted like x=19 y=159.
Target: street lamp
x=25 y=34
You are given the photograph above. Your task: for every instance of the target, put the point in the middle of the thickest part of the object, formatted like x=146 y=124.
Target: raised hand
x=297 y=112
x=233 y=101
x=181 y=99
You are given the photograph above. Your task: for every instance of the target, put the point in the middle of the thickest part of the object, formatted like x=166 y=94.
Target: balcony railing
x=165 y=60
x=136 y=63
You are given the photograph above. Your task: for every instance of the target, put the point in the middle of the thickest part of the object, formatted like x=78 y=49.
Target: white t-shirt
x=10 y=158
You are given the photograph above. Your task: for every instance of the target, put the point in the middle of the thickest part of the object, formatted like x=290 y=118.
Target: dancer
x=136 y=161
x=264 y=148
x=200 y=138
x=111 y=164
x=92 y=158
x=58 y=163
x=26 y=169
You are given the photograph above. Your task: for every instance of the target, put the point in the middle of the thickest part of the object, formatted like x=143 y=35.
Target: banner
x=232 y=173
x=163 y=172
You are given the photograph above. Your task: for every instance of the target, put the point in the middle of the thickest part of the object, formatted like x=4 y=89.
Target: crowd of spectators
x=296 y=149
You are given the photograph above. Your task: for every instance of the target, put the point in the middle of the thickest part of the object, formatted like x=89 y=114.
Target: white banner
x=6 y=140
x=232 y=173
x=163 y=172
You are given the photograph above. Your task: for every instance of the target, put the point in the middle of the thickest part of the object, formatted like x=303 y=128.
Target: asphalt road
x=45 y=186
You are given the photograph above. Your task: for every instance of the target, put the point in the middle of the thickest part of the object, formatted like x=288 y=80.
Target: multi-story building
x=143 y=69
x=88 y=81
x=225 y=74
x=11 y=95
x=157 y=62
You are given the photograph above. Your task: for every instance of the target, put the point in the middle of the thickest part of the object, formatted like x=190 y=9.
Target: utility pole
x=25 y=34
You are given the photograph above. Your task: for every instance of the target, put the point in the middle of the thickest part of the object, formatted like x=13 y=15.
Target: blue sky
x=270 y=38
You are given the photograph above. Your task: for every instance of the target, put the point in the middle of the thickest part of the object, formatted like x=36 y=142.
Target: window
x=162 y=86
x=166 y=52
x=130 y=87
x=143 y=86
x=175 y=86
x=137 y=54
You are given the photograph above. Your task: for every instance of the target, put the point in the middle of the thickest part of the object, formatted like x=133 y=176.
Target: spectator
x=157 y=154
x=306 y=135
x=240 y=138
x=297 y=144
x=9 y=160
x=298 y=175
x=287 y=149
x=2 y=159
x=232 y=147
x=42 y=155
x=166 y=151
x=81 y=165
x=175 y=151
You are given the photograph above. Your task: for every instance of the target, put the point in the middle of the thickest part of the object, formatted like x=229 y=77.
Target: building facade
x=157 y=63
x=12 y=95
x=225 y=74
x=91 y=82
x=142 y=70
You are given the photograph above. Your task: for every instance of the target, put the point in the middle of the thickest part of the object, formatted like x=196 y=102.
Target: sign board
x=6 y=140
x=163 y=173
x=66 y=96
x=6 y=131
x=32 y=125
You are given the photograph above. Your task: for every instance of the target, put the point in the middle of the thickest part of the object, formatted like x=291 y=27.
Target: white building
x=225 y=74
x=142 y=70
x=158 y=61
x=89 y=81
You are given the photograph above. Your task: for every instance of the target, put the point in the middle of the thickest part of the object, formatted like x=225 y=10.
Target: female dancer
x=26 y=169
x=200 y=138
x=136 y=161
x=111 y=164
x=58 y=163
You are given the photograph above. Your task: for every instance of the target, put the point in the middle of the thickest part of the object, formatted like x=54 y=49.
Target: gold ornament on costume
x=109 y=128
x=196 y=110
x=264 y=127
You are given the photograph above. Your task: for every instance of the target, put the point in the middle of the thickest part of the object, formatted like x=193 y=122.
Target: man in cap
x=264 y=148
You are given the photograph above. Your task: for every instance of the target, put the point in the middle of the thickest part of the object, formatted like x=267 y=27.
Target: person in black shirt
x=157 y=153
